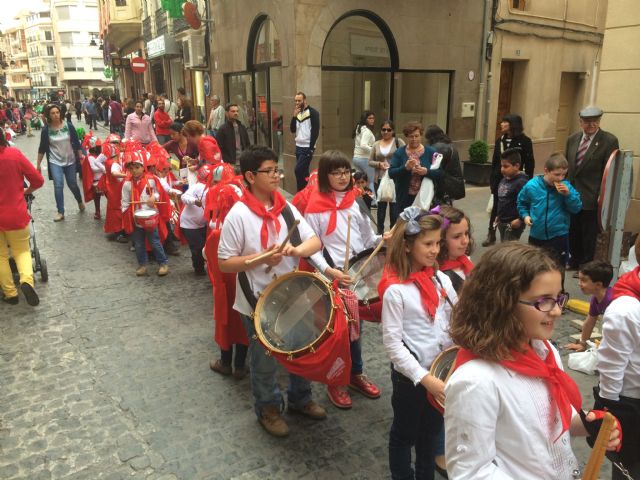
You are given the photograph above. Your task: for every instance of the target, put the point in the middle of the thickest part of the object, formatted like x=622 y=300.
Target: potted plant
x=477 y=170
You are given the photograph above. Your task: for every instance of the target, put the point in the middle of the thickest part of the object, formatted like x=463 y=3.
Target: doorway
x=505 y=93
x=571 y=89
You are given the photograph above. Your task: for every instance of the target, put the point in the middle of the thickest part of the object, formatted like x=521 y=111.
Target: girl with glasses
x=328 y=211
x=380 y=159
x=510 y=408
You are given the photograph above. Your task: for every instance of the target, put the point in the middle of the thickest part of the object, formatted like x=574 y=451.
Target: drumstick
x=274 y=250
x=142 y=201
x=284 y=244
x=347 y=252
x=371 y=257
x=592 y=469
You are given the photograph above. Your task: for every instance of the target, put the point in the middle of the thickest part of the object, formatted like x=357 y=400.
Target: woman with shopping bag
x=380 y=159
x=410 y=165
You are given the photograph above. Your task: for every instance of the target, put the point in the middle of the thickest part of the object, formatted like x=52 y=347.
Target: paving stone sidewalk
x=108 y=377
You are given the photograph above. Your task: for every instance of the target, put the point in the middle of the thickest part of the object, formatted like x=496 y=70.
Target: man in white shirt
x=216 y=117
x=305 y=125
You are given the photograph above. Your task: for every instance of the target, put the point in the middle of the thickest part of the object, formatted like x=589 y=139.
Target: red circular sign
x=61 y=93
x=138 y=64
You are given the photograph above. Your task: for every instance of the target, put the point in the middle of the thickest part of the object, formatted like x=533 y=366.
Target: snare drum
x=366 y=286
x=146 y=219
x=300 y=320
x=442 y=368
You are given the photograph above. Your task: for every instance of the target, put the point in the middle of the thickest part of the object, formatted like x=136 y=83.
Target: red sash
x=424 y=280
x=267 y=215
x=462 y=262
x=320 y=202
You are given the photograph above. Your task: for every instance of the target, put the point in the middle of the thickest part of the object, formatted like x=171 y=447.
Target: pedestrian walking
x=59 y=142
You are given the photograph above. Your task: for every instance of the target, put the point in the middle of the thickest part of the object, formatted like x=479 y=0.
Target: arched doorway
x=258 y=91
x=360 y=71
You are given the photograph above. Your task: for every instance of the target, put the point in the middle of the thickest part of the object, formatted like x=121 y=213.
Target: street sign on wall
x=138 y=64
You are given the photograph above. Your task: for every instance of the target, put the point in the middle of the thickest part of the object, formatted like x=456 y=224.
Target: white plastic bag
x=425 y=194
x=584 y=362
x=490 y=204
x=387 y=189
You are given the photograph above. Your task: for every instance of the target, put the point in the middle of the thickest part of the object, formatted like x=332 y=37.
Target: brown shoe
x=311 y=410
x=163 y=270
x=240 y=373
x=141 y=271
x=81 y=206
x=58 y=218
x=272 y=421
x=219 y=367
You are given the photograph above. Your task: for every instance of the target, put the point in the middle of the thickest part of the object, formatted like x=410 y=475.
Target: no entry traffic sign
x=138 y=64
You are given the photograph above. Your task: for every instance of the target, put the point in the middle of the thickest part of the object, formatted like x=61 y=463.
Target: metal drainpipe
x=483 y=107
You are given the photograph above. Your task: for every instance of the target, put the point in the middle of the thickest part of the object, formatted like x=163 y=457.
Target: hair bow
x=436 y=211
x=411 y=215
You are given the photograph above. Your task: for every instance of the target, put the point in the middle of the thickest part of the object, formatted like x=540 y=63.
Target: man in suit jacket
x=587 y=152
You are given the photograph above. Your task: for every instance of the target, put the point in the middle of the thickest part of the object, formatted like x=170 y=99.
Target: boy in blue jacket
x=546 y=203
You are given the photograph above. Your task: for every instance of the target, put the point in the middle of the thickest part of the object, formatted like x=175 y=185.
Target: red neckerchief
x=424 y=280
x=462 y=262
x=628 y=285
x=272 y=215
x=562 y=387
x=320 y=202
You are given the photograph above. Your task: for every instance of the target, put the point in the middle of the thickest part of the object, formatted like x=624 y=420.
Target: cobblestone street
x=109 y=378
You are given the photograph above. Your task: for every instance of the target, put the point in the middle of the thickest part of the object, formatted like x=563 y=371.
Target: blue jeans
x=304 y=155
x=416 y=424
x=362 y=164
x=357 y=364
x=196 y=238
x=59 y=174
x=263 y=370
x=139 y=235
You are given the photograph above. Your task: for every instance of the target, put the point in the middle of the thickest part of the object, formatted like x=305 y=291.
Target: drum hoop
x=139 y=213
x=442 y=354
x=360 y=256
x=326 y=332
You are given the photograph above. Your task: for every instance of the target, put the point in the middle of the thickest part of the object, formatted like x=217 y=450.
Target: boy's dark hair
x=95 y=150
x=512 y=155
x=251 y=159
x=176 y=127
x=330 y=161
x=598 y=271
x=360 y=176
x=555 y=161
x=228 y=106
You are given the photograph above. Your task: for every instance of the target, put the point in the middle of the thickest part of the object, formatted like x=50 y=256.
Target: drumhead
x=441 y=366
x=145 y=213
x=294 y=313
x=366 y=288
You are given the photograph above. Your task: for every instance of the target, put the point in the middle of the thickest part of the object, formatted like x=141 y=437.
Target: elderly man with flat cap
x=587 y=152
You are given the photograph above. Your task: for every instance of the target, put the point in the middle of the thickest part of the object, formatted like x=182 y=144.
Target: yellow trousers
x=18 y=242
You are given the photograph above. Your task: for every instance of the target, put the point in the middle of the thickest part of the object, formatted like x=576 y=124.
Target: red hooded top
x=209 y=150
x=14 y=168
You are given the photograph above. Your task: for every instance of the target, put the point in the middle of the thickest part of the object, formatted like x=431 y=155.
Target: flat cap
x=591 y=111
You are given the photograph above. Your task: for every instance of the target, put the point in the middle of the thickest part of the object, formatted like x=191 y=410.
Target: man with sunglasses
x=587 y=152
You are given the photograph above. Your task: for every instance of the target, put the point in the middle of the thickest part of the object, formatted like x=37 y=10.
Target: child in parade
x=546 y=203
x=254 y=225
x=593 y=279
x=508 y=221
x=193 y=225
x=327 y=212
x=143 y=192
x=417 y=302
x=361 y=181
x=510 y=408
x=92 y=171
x=456 y=246
x=229 y=333
x=111 y=185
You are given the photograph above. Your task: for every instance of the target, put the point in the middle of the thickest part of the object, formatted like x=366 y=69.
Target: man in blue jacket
x=546 y=204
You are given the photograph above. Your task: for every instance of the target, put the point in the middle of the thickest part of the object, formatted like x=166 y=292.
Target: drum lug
x=330 y=329
x=267 y=353
x=290 y=357
x=312 y=350
x=254 y=337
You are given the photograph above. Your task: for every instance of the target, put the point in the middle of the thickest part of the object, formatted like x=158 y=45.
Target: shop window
x=240 y=92
x=356 y=42
x=267 y=48
x=422 y=96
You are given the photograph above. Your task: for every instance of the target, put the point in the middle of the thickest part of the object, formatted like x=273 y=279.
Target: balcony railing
x=147 y=32
x=180 y=25
x=161 y=22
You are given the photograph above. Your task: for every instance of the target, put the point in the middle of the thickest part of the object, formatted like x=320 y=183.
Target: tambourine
x=442 y=368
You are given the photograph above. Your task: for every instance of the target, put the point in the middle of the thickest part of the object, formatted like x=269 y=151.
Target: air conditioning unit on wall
x=193 y=51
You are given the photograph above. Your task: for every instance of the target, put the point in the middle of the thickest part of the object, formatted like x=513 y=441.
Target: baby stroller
x=39 y=263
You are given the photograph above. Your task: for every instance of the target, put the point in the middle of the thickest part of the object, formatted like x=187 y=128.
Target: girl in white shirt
x=193 y=223
x=510 y=408
x=416 y=306
x=456 y=245
x=327 y=212
x=363 y=144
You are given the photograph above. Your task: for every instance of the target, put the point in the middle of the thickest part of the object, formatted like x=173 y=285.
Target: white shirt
x=503 y=425
x=361 y=237
x=619 y=352
x=116 y=168
x=364 y=142
x=216 y=118
x=97 y=167
x=192 y=216
x=240 y=236
x=406 y=328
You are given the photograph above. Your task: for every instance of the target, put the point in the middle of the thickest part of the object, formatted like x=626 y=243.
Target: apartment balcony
x=161 y=22
x=19 y=85
x=147 y=30
x=124 y=23
x=180 y=25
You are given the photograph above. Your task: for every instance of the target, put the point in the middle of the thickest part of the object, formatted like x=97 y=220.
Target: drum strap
x=365 y=210
x=446 y=297
x=289 y=220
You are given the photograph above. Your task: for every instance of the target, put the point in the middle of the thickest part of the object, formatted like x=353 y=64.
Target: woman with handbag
x=410 y=165
x=451 y=186
x=59 y=141
x=380 y=159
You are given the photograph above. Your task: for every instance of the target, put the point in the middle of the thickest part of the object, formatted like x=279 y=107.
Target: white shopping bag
x=386 y=189
x=425 y=194
x=584 y=362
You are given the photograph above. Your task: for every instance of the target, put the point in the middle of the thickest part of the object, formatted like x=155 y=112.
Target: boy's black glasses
x=546 y=304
